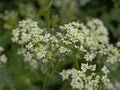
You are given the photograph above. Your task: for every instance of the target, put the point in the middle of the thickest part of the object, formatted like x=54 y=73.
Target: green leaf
x=5 y=78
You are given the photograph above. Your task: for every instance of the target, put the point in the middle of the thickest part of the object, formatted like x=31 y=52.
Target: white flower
x=33 y=39
x=89 y=56
x=3 y=58
x=83 y=80
x=84 y=67
x=86 y=43
x=77 y=84
x=92 y=67
x=105 y=80
x=63 y=49
x=65 y=74
x=105 y=70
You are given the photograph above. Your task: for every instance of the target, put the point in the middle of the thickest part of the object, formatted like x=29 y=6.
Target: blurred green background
x=50 y=14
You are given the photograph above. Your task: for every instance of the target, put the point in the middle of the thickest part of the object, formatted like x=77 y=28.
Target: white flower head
x=84 y=67
x=65 y=74
x=105 y=70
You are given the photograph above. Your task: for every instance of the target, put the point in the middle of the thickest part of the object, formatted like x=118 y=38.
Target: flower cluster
x=3 y=58
x=81 y=79
x=89 y=45
x=33 y=41
x=92 y=39
x=86 y=45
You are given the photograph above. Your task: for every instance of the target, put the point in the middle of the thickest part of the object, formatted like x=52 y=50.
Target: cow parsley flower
x=89 y=56
x=84 y=67
x=86 y=45
x=81 y=79
x=32 y=39
x=65 y=74
x=105 y=70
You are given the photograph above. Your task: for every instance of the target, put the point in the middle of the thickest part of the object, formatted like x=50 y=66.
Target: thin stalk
x=65 y=85
x=57 y=66
x=45 y=83
x=76 y=64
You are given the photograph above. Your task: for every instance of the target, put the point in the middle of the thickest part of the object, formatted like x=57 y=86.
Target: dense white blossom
x=32 y=39
x=85 y=44
x=81 y=80
x=92 y=40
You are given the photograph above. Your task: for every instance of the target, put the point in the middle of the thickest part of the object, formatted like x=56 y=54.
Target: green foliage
x=6 y=79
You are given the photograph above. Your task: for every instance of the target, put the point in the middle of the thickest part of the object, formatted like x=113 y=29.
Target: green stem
x=76 y=64
x=64 y=85
x=57 y=66
x=45 y=83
